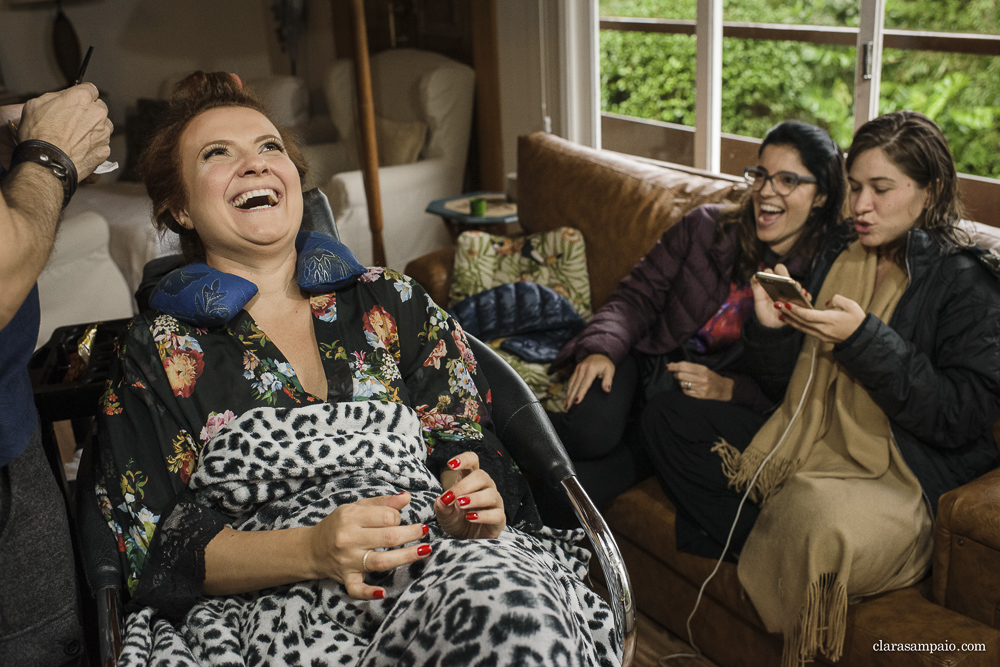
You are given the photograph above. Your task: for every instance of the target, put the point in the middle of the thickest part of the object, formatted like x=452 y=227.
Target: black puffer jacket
x=935 y=368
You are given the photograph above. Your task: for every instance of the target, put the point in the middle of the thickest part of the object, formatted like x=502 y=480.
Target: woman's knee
x=594 y=427
x=668 y=416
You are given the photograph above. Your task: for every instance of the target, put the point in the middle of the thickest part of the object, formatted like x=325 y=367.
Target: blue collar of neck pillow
x=206 y=297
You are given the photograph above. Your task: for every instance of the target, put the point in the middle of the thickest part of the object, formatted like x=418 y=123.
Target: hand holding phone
x=783 y=289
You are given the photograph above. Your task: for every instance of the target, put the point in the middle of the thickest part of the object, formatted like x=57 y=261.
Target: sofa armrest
x=966 y=572
x=433 y=271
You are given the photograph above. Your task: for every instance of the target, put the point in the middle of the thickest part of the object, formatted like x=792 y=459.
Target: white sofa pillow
x=80 y=282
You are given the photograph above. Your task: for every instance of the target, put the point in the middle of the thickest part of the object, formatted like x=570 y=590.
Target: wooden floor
x=653 y=642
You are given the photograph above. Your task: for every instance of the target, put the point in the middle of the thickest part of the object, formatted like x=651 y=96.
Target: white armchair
x=407 y=85
x=80 y=282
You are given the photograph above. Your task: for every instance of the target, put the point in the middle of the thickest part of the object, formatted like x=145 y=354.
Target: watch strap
x=52 y=158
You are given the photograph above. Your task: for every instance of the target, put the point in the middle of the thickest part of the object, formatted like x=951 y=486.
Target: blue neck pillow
x=206 y=297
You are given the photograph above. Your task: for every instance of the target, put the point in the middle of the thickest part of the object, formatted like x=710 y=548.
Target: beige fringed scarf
x=835 y=488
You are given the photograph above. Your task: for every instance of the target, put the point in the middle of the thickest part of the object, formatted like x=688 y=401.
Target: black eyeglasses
x=783 y=182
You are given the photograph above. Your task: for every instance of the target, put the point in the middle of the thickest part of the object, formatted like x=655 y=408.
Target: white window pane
x=648 y=75
x=766 y=82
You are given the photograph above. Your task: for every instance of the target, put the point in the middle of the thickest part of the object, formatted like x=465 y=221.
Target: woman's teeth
x=255 y=199
x=767 y=208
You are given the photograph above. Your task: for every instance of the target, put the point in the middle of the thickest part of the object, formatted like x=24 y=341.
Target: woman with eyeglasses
x=889 y=405
x=674 y=325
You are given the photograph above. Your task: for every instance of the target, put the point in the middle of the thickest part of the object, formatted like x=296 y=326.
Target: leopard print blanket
x=515 y=600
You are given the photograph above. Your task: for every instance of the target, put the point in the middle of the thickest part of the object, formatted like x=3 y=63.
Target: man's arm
x=31 y=197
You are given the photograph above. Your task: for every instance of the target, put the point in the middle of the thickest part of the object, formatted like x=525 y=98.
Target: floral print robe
x=175 y=385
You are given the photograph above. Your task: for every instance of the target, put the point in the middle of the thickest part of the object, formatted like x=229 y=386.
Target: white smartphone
x=781 y=288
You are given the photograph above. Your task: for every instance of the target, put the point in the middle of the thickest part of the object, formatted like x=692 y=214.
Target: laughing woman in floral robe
x=358 y=510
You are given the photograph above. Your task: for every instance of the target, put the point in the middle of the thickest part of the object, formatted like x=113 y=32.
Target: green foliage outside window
x=652 y=76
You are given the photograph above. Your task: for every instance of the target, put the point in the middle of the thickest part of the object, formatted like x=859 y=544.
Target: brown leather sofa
x=622 y=206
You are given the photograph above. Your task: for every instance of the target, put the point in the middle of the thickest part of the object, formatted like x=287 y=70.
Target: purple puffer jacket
x=667 y=297
x=670 y=294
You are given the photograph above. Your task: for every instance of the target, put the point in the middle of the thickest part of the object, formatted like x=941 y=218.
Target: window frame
x=718 y=152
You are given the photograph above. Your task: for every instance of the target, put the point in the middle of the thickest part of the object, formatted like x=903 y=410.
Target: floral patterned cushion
x=549 y=388
x=556 y=259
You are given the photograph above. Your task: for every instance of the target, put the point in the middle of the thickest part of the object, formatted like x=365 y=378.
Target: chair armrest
x=433 y=271
x=966 y=569
x=102 y=567
x=527 y=433
x=612 y=565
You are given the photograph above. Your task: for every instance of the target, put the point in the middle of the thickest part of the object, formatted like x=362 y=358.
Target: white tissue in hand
x=106 y=167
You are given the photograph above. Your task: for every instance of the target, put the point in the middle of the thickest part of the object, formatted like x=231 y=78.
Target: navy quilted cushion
x=540 y=347
x=325 y=264
x=201 y=295
x=206 y=297
x=537 y=320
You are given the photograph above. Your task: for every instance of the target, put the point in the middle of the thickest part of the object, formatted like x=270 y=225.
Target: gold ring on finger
x=364 y=561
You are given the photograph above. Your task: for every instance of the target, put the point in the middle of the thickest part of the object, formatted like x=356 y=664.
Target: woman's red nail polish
x=777 y=304
x=379 y=594
x=425 y=529
x=781 y=317
x=401 y=493
x=454 y=463
x=448 y=498
x=463 y=501
x=472 y=516
x=788 y=305
x=423 y=549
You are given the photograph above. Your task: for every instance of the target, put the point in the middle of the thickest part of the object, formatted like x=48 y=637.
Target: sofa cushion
x=532 y=319
x=620 y=204
x=399 y=142
x=645 y=515
x=80 y=282
x=556 y=259
x=643 y=521
x=286 y=98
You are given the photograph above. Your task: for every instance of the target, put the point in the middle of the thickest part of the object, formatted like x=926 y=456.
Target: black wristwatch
x=51 y=157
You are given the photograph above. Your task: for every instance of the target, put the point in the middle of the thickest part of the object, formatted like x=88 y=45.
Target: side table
x=500 y=217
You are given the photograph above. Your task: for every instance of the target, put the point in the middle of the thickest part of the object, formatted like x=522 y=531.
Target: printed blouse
x=174 y=386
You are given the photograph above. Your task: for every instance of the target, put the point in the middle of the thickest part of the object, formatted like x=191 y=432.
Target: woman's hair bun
x=218 y=87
